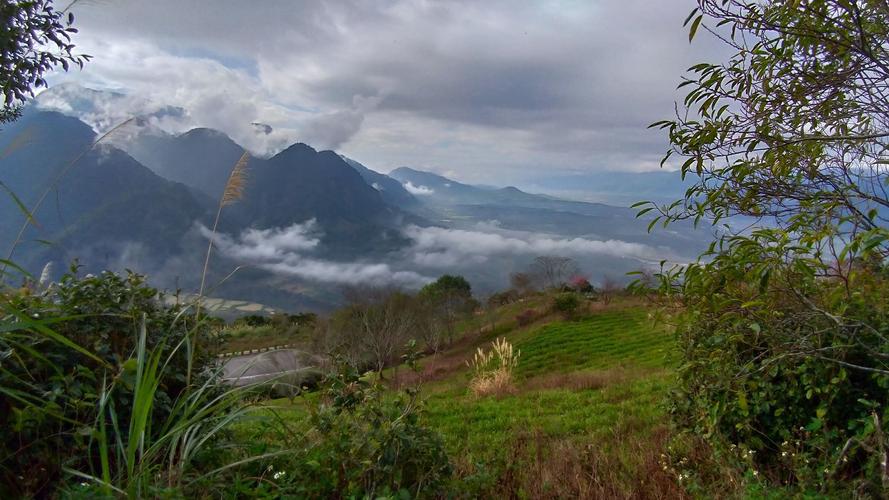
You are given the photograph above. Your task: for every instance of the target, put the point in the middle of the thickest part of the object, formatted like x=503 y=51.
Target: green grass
x=483 y=428
x=619 y=416
x=601 y=341
x=623 y=340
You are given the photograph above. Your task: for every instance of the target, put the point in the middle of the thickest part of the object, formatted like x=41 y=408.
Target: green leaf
x=694 y=27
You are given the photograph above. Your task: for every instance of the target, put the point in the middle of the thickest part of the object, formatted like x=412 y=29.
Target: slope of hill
x=390 y=189
x=584 y=420
x=105 y=203
x=201 y=158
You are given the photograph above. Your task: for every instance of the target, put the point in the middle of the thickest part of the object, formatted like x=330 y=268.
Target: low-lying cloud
x=283 y=251
x=420 y=190
x=443 y=248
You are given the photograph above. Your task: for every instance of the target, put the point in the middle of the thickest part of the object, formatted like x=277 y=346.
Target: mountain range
x=308 y=222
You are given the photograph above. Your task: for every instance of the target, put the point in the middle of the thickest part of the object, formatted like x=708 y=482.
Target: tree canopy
x=34 y=39
x=783 y=323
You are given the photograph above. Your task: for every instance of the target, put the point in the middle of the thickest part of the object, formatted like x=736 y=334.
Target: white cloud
x=283 y=251
x=443 y=248
x=418 y=190
x=482 y=88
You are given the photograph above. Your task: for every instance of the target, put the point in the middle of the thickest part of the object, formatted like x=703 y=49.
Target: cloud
x=283 y=251
x=418 y=190
x=443 y=248
x=482 y=88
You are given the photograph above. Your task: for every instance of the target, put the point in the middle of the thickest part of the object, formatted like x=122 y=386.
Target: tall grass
x=141 y=460
x=233 y=191
x=492 y=370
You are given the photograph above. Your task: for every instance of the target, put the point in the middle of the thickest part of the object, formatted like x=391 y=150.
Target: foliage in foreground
x=358 y=441
x=784 y=329
x=70 y=351
x=107 y=393
x=35 y=39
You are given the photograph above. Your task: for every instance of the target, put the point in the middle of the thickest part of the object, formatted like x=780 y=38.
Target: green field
x=591 y=389
x=595 y=382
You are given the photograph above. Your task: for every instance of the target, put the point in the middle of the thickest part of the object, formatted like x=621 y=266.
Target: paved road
x=286 y=365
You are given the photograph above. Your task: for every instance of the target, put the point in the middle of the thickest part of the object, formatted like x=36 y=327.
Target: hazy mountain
x=105 y=205
x=301 y=183
x=144 y=212
x=391 y=190
x=439 y=190
x=201 y=158
x=614 y=188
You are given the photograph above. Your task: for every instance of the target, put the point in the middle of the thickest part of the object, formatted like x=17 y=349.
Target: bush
x=253 y=320
x=362 y=442
x=781 y=381
x=566 y=303
x=526 y=317
x=503 y=298
x=69 y=350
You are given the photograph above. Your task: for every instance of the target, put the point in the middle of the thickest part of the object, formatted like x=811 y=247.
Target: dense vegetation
x=772 y=348
x=783 y=328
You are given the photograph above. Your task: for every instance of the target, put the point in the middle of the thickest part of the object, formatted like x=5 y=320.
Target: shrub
x=566 y=303
x=777 y=379
x=526 y=317
x=69 y=351
x=492 y=370
x=253 y=320
x=362 y=442
x=503 y=298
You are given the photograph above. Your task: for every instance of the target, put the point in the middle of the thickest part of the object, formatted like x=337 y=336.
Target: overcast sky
x=485 y=91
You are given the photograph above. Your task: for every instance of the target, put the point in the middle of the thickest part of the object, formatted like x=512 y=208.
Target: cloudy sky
x=492 y=91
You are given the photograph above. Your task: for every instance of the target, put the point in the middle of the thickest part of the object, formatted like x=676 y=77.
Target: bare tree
x=522 y=283
x=374 y=326
x=608 y=289
x=553 y=271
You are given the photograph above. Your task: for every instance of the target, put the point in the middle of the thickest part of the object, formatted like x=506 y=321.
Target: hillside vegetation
x=584 y=419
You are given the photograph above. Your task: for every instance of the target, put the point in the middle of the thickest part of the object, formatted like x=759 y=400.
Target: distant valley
x=309 y=222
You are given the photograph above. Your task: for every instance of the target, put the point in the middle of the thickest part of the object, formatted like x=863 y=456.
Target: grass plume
x=233 y=191
x=492 y=370
x=237 y=180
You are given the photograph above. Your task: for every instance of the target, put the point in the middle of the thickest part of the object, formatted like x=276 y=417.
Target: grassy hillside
x=585 y=418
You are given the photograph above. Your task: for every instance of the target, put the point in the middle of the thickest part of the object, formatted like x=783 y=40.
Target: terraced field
x=602 y=341
x=598 y=381
x=586 y=410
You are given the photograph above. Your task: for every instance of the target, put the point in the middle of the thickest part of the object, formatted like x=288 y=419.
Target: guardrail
x=256 y=351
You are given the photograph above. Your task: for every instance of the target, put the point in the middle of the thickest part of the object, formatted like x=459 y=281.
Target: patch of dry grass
x=543 y=468
x=493 y=369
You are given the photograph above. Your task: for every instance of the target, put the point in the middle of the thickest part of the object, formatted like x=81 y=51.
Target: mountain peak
x=299 y=147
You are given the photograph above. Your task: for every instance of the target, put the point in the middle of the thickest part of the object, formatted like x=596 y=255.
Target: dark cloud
x=476 y=89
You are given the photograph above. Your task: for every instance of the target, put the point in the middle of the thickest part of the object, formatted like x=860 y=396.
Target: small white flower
x=755 y=473
x=279 y=474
